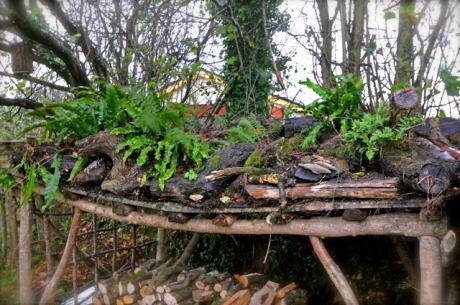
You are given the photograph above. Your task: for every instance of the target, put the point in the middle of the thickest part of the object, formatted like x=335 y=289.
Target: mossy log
x=417 y=171
x=179 y=188
x=403 y=103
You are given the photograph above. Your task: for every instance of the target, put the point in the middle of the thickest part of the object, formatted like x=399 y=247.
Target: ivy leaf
x=451 y=82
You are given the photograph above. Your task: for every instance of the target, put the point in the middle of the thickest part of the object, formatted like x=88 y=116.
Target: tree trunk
x=356 y=39
x=326 y=47
x=48 y=246
x=25 y=255
x=50 y=289
x=405 y=45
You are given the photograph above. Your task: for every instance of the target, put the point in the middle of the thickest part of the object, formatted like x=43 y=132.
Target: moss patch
x=254 y=159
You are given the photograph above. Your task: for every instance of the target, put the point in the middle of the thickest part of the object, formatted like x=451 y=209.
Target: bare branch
x=19 y=102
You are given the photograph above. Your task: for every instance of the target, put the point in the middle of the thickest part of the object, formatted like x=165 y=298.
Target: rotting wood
x=235 y=171
x=313 y=205
x=334 y=272
x=50 y=289
x=376 y=189
x=387 y=224
x=430 y=271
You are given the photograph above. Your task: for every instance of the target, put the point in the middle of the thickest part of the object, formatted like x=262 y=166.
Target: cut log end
x=433 y=179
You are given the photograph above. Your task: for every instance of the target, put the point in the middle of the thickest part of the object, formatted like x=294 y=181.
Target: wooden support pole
x=335 y=274
x=12 y=229
x=50 y=289
x=162 y=249
x=4 y=234
x=386 y=224
x=430 y=271
x=25 y=255
x=48 y=246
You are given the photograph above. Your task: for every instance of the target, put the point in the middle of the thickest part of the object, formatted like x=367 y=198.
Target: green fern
x=7 y=181
x=79 y=164
x=51 y=181
x=246 y=131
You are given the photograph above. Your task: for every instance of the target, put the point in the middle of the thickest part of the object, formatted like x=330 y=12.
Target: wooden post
x=25 y=255
x=4 y=234
x=430 y=271
x=48 y=246
x=12 y=229
x=162 y=249
x=50 y=289
x=333 y=270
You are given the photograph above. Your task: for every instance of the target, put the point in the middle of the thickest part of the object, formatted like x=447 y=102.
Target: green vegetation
x=368 y=134
x=247 y=34
x=247 y=130
x=153 y=128
x=338 y=109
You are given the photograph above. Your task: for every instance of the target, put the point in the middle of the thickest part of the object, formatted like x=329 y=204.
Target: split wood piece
x=376 y=189
x=235 y=171
x=242 y=297
x=123 y=178
x=50 y=288
x=251 y=279
x=282 y=292
x=294 y=297
x=385 y=224
x=334 y=272
x=266 y=295
x=202 y=296
x=430 y=271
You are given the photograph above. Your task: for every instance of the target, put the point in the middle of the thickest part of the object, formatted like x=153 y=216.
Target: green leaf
x=191 y=175
x=451 y=82
x=31 y=183
x=79 y=164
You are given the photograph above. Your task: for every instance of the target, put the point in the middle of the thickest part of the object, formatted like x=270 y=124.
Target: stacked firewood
x=196 y=286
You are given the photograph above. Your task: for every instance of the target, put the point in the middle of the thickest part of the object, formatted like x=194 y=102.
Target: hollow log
x=95 y=172
x=376 y=189
x=124 y=177
x=388 y=224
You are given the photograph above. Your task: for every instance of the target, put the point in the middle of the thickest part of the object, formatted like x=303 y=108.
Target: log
x=124 y=177
x=203 y=297
x=265 y=295
x=176 y=297
x=282 y=292
x=430 y=270
x=425 y=176
x=334 y=272
x=293 y=126
x=128 y=299
x=242 y=297
x=179 y=189
x=376 y=189
x=251 y=279
x=403 y=103
x=387 y=224
x=224 y=220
